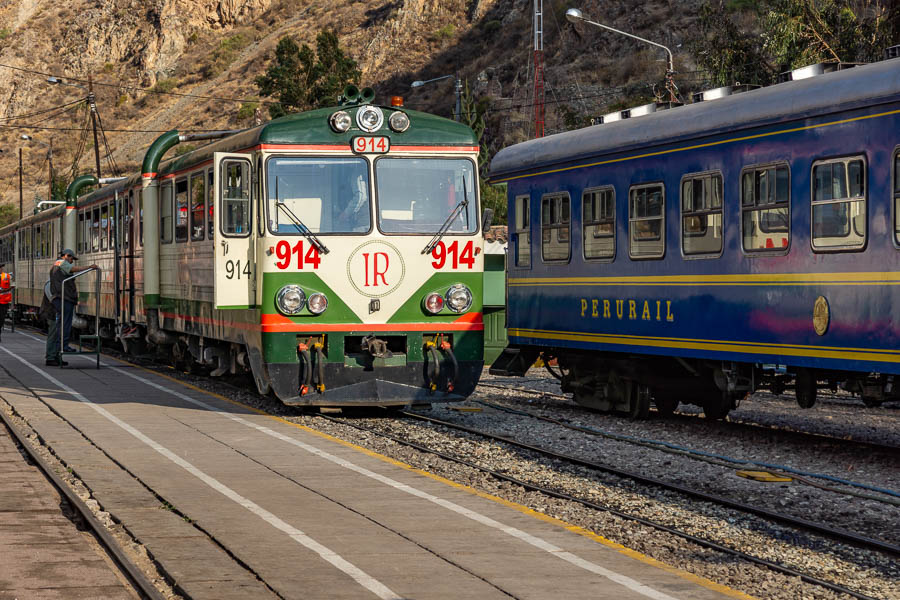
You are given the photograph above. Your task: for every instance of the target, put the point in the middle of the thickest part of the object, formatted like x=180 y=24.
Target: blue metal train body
x=771 y=285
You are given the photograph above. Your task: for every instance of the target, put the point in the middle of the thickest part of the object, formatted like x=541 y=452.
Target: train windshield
x=417 y=195
x=325 y=195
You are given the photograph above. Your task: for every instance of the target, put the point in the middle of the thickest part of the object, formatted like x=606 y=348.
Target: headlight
x=290 y=299
x=459 y=298
x=317 y=303
x=433 y=303
x=341 y=121
x=399 y=122
x=369 y=118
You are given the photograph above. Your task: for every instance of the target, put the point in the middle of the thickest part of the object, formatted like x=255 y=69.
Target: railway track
x=844 y=537
x=126 y=567
x=794 y=435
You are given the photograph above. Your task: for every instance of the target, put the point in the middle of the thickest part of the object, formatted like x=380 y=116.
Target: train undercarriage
x=630 y=384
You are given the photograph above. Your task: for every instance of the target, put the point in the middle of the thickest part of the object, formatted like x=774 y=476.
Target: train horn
x=350 y=94
x=366 y=95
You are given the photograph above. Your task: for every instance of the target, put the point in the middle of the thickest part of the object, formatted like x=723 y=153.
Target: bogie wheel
x=805 y=388
x=716 y=408
x=871 y=402
x=665 y=405
x=639 y=408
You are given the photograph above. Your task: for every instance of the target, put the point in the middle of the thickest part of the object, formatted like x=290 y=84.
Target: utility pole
x=20 y=182
x=92 y=102
x=50 y=168
x=538 y=68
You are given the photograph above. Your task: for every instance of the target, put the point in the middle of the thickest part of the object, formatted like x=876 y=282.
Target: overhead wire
x=40 y=112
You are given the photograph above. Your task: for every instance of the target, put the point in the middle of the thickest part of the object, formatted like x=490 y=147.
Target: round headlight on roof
x=290 y=299
x=341 y=121
x=317 y=303
x=459 y=298
x=399 y=121
x=369 y=118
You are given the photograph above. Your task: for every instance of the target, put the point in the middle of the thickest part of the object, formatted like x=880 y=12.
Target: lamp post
x=574 y=15
x=458 y=87
x=28 y=138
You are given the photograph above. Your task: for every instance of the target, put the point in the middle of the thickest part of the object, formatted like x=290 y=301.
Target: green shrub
x=247 y=110
x=444 y=33
x=165 y=85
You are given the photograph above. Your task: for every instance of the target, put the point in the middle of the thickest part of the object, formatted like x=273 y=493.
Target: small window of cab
x=598 y=223
x=647 y=221
x=838 y=204
x=702 y=223
x=766 y=209
x=556 y=219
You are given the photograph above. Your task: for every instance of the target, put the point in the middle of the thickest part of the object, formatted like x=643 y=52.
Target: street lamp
x=458 y=113
x=574 y=15
x=28 y=138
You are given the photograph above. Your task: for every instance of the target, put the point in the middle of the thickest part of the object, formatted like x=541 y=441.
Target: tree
x=9 y=213
x=302 y=79
x=780 y=35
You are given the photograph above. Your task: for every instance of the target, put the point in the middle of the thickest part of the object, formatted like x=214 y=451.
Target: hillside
x=215 y=48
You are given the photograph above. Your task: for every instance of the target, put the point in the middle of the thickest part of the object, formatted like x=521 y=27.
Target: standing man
x=61 y=270
x=5 y=294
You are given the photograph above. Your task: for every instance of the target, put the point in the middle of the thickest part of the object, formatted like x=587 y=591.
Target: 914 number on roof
x=370 y=145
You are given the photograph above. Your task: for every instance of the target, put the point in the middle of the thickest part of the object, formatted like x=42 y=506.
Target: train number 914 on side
x=337 y=254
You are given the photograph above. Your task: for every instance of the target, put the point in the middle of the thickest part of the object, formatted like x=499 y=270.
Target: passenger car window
x=95 y=230
x=555 y=217
x=701 y=214
x=198 y=207
x=646 y=221
x=181 y=210
x=897 y=197
x=839 y=204
x=523 y=231
x=765 y=208
x=165 y=212
x=599 y=223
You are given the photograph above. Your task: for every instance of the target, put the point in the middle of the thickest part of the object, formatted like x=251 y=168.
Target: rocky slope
x=216 y=48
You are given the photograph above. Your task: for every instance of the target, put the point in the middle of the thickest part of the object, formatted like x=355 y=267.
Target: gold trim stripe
x=697 y=146
x=876 y=355
x=744 y=279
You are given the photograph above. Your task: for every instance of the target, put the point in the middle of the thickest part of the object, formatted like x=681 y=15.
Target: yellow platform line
x=701 y=581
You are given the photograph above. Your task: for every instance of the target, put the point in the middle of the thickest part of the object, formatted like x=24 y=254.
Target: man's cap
x=67 y=252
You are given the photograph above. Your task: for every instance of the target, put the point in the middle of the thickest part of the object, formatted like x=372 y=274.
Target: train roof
x=864 y=85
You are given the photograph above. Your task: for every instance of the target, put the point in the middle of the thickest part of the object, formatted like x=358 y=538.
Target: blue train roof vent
x=722 y=92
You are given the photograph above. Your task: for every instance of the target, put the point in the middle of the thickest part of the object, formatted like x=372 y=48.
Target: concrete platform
x=233 y=503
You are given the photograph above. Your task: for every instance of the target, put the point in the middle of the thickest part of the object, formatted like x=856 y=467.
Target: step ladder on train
x=93 y=339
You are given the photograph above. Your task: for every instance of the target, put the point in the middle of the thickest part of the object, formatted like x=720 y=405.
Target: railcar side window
x=104 y=226
x=523 y=231
x=599 y=223
x=181 y=210
x=701 y=214
x=79 y=245
x=897 y=197
x=839 y=204
x=198 y=207
x=95 y=229
x=165 y=211
x=211 y=218
x=236 y=198
x=765 y=208
x=647 y=221
x=555 y=217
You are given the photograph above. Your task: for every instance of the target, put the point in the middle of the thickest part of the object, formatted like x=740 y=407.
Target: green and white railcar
x=337 y=254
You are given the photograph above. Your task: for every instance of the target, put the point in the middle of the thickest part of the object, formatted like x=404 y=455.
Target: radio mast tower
x=538 y=68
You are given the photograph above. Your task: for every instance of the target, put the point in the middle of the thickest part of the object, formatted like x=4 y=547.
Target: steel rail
x=733 y=422
x=773 y=566
x=134 y=575
x=836 y=534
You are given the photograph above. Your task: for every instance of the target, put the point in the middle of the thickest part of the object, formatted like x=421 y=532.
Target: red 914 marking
x=371 y=144
x=466 y=257
x=283 y=252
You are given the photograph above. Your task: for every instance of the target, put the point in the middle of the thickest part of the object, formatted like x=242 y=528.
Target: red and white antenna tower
x=538 y=68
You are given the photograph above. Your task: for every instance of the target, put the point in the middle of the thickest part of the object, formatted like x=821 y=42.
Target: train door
x=234 y=247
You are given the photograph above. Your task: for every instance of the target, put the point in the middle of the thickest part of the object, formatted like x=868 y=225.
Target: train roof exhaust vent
x=892 y=52
x=611 y=117
x=814 y=70
x=713 y=94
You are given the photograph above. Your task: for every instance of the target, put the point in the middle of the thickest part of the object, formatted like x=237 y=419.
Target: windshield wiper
x=443 y=230
x=304 y=230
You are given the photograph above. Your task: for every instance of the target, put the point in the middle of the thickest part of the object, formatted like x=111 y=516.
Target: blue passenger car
x=666 y=258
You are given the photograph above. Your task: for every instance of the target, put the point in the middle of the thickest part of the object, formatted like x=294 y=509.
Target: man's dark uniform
x=59 y=273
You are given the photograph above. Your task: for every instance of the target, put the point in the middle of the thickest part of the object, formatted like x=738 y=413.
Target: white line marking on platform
x=535 y=541
x=365 y=580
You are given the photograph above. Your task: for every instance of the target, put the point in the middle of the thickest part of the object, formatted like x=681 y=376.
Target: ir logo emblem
x=376 y=269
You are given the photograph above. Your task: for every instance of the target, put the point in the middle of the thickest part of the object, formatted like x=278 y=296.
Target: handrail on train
x=62 y=310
